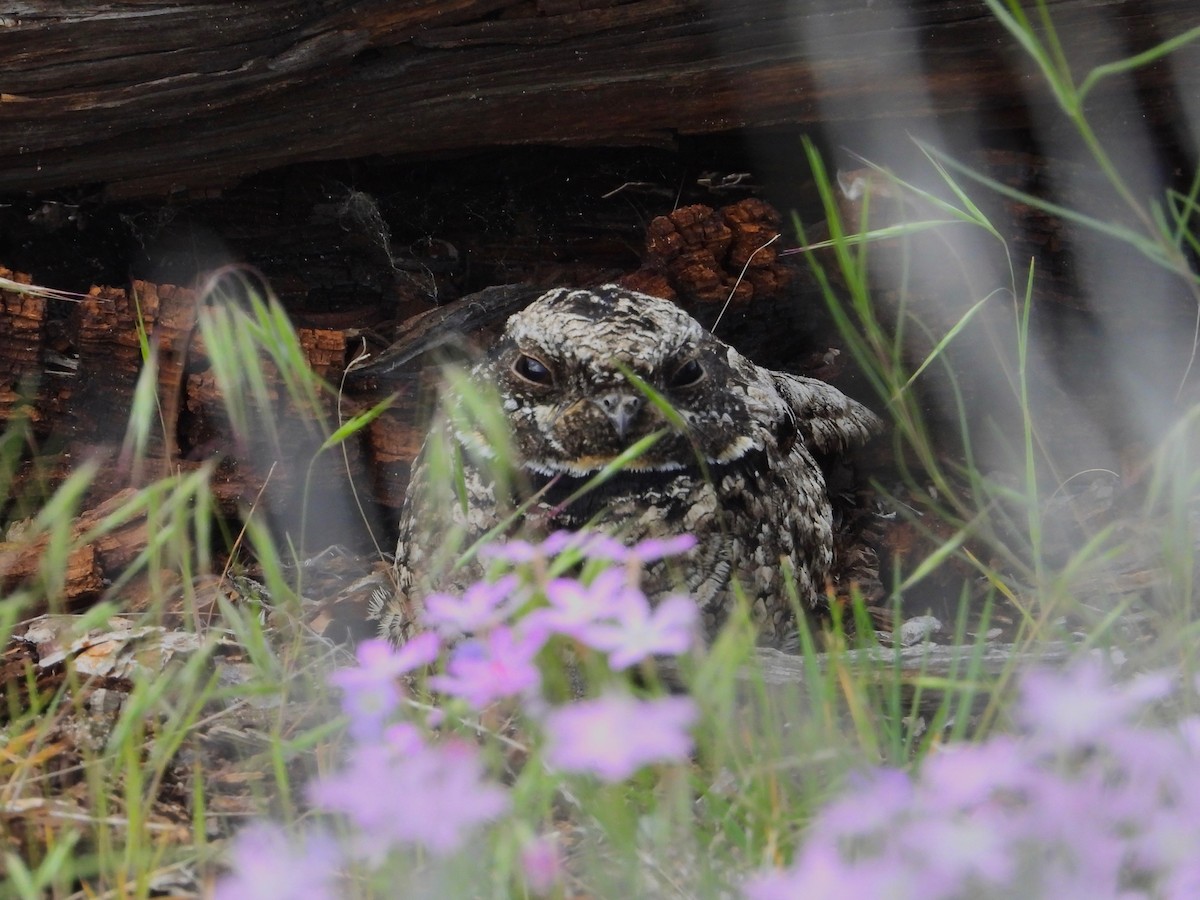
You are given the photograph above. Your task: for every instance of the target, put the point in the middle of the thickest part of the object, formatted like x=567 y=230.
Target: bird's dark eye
x=532 y=370
x=687 y=374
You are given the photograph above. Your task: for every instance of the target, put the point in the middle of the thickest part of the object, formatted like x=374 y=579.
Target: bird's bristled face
x=560 y=368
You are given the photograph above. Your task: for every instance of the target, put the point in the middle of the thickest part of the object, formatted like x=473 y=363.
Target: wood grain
x=151 y=97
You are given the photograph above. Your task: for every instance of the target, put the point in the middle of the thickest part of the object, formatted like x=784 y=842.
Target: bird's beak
x=621 y=409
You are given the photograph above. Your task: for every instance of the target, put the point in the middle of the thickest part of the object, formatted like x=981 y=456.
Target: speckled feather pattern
x=739 y=474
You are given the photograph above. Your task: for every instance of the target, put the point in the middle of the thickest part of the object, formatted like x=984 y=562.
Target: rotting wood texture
x=147 y=97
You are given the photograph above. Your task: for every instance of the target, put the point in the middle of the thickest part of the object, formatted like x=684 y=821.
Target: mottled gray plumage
x=739 y=474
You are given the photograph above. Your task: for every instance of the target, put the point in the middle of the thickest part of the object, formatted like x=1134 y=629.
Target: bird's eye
x=532 y=370
x=687 y=375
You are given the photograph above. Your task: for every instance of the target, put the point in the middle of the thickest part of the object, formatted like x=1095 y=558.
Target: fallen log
x=152 y=98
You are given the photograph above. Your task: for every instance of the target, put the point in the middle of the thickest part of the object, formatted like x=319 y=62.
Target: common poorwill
x=733 y=464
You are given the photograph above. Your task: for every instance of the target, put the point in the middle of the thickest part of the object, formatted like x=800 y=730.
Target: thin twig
x=741 y=275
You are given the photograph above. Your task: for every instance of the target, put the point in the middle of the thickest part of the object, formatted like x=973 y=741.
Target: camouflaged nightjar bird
x=734 y=468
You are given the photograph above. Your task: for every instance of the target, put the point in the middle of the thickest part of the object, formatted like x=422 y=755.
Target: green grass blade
x=357 y=423
x=1145 y=58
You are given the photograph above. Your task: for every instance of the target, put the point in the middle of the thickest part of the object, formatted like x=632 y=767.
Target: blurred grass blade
x=357 y=423
x=1145 y=58
x=943 y=343
x=1146 y=246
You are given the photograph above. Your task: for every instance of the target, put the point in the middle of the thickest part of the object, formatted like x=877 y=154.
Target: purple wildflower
x=891 y=792
x=575 y=607
x=266 y=864
x=820 y=871
x=958 y=850
x=593 y=545
x=518 y=552
x=541 y=864
x=653 y=549
x=640 y=631
x=614 y=736
x=964 y=776
x=599 y=546
x=513 y=552
x=405 y=792
x=1023 y=816
x=589 y=544
x=481 y=608
x=484 y=670
x=1070 y=709
x=370 y=692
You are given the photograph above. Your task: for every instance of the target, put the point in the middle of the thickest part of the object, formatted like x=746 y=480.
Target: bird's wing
x=826 y=419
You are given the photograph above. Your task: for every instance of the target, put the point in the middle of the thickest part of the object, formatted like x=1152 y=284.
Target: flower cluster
x=404 y=791
x=400 y=788
x=499 y=631
x=1085 y=802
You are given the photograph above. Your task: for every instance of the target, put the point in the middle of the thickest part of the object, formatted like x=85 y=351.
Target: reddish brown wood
x=110 y=358
x=86 y=413
x=22 y=343
x=21 y=562
x=88 y=565
x=702 y=255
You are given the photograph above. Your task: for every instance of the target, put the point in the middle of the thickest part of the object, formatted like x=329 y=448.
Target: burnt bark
x=150 y=98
